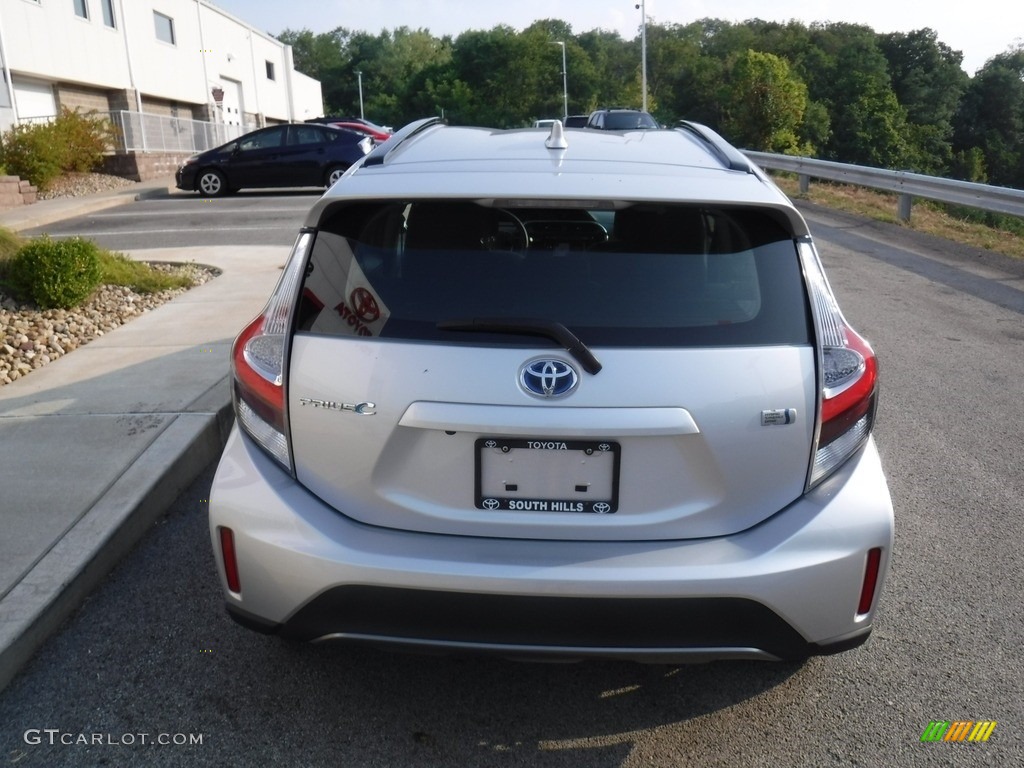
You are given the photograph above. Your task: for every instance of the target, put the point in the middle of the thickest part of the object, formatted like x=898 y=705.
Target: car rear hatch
x=640 y=374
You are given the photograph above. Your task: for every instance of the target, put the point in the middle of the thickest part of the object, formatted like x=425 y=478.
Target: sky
x=979 y=29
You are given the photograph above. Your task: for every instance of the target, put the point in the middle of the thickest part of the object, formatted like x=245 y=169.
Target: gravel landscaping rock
x=79 y=184
x=31 y=338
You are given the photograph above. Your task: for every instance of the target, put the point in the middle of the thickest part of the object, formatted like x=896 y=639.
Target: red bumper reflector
x=227 y=550
x=867 y=592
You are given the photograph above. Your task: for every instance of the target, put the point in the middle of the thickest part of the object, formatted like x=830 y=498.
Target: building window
x=82 y=9
x=164 y=27
x=108 y=12
x=270 y=71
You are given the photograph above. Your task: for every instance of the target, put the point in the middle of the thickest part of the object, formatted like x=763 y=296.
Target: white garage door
x=34 y=99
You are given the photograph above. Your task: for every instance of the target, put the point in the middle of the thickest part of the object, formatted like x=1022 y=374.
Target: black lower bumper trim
x=255 y=623
x=460 y=619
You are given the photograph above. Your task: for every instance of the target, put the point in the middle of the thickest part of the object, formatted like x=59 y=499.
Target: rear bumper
x=642 y=629
x=785 y=589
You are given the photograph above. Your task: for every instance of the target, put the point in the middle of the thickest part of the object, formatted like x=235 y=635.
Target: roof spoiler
x=731 y=157
x=380 y=153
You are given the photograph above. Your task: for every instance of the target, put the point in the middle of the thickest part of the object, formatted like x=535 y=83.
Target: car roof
x=690 y=164
x=331 y=128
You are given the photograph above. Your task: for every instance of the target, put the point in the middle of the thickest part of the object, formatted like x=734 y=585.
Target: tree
x=537 y=43
x=614 y=68
x=840 y=91
x=991 y=118
x=489 y=65
x=317 y=55
x=436 y=91
x=673 y=53
x=929 y=83
x=325 y=57
x=699 y=74
x=391 y=62
x=766 y=103
x=851 y=78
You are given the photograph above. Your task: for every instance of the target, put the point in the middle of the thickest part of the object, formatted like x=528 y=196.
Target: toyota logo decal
x=548 y=377
x=364 y=305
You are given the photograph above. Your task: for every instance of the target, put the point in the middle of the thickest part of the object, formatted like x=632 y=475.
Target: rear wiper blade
x=531 y=327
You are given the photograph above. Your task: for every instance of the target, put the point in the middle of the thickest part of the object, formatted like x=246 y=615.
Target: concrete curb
x=155 y=193
x=99 y=540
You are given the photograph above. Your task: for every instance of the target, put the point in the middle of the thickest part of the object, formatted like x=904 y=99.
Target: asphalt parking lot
x=151 y=651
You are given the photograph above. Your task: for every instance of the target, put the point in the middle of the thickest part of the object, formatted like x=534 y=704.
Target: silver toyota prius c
x=555 y=394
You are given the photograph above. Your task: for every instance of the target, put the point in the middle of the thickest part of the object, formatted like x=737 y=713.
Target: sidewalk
x=95 y=446
x=49 y=211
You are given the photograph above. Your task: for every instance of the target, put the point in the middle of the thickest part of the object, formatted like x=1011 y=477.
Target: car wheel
x=212 y=183
x=334 y=173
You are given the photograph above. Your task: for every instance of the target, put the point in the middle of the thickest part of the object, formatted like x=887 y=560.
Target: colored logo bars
x=960 y=730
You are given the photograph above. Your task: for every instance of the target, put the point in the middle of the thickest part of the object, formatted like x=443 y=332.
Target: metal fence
x=141 y=132
x=907 y=185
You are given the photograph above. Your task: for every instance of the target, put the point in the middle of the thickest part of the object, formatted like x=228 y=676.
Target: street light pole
x=643 y=49
x=565 y=82
x=359 y=74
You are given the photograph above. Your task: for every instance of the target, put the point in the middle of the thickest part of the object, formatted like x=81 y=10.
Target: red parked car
x=376 y=132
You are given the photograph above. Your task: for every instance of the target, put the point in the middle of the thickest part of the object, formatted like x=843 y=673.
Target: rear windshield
x=625 y=121
x=639 y=276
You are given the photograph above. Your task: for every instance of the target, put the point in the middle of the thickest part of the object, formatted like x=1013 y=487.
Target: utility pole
x=565 y=82
x=643 y=49
x=359 y=74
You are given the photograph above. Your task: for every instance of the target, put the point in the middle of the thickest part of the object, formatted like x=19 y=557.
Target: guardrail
x=907 y=185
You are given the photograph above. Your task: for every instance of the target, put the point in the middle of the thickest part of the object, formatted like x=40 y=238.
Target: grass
x=9 y=244
x=1000 y=234
x=117 y=268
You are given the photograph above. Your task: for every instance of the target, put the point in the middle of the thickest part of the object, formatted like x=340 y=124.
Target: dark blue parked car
x=292 y=155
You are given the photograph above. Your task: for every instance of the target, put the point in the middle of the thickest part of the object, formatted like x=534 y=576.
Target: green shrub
x=32 y=152
x=85 y=137
x=43 y=151
x=55 y=273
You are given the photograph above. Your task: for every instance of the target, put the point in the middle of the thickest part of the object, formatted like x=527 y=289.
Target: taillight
x=849 y=378
x=258 y=363
x=227 y=551
x=867 y=589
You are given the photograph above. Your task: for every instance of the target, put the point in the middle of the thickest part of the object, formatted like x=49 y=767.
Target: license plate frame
x=547 y=475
